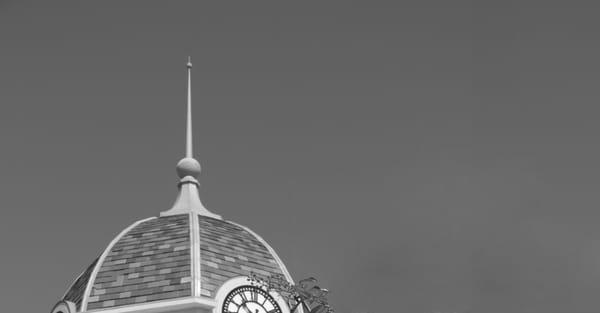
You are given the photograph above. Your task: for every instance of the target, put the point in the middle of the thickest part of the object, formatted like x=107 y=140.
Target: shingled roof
x=153 y=260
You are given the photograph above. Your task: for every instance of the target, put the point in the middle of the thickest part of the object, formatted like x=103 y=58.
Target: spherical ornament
x=188 y=167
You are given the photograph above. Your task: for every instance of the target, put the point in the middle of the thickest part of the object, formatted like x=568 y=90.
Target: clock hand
x=245 y=307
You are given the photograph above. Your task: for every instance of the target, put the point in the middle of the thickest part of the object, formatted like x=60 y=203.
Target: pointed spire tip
x=188 y=169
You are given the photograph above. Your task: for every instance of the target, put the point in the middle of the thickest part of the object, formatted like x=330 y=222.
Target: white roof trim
x=73 y=283
x=279 y=262
x=195 y=254
x=64 y=307
x=271 y=250
x=90 y=283
x=162 y=306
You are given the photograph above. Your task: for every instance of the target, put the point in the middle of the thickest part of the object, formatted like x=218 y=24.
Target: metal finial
x=188 y=169
x=188 y=166
x=189 y=152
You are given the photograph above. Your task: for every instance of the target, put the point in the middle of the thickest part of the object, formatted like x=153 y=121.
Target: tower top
x=188 y=168
x=186 y=260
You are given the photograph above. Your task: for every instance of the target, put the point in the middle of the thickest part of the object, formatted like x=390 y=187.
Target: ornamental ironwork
x=306 y=294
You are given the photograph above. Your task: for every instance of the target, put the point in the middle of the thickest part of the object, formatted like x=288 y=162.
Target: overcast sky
x=415 y=157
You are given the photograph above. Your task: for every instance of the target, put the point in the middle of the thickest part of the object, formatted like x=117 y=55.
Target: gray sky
x=415 y=157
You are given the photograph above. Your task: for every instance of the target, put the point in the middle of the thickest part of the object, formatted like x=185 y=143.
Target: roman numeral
x=243 y=295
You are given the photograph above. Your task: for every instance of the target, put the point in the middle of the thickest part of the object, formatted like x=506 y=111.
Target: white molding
x=64 y=307
x=280 y=301
x=74 y=281
x=282 y=266
x=90 y=283
x=195 y=261
x=163 y=306
x=271 y=250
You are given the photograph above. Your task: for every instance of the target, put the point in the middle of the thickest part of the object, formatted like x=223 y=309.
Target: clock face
x=250 y=299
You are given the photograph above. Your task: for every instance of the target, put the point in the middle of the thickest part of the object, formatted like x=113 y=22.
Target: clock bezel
x=240 y=281
x=229 y=298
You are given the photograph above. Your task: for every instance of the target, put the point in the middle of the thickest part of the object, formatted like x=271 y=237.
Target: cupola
x=185 y=259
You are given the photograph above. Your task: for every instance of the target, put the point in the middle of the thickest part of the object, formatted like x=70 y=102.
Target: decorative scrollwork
x=306 y=294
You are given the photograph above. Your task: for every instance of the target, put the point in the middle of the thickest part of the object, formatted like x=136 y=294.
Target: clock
x=250 y=299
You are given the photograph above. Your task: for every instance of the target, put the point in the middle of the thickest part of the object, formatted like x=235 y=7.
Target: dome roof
x=169 y=257
x=183 y=260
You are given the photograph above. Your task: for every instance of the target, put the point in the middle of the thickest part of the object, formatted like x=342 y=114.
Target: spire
x=189 y=150
x=188 y=168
